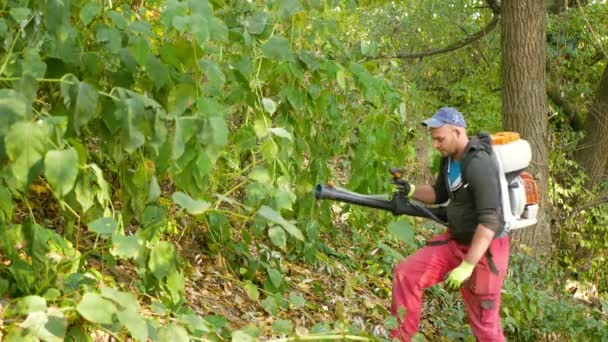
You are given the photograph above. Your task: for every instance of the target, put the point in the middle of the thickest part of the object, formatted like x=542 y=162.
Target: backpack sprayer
x=519 y=193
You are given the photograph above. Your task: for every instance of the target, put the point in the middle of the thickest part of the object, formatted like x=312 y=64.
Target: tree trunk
x=524 y=99
x=593 y=149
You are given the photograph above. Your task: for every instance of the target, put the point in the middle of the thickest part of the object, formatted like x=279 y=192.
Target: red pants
x=430 y=265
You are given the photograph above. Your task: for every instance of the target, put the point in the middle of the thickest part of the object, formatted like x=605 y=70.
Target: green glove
x=459 y=275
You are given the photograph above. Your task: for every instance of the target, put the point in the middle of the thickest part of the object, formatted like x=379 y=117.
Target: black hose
x=398 y=205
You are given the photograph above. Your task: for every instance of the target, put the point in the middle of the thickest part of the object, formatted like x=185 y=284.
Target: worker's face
x=445 y=139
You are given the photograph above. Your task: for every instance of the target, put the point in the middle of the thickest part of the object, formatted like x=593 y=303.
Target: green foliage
x=533 y=308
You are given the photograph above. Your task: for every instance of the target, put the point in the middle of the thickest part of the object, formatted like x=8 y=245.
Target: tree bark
x=592 y=153
x=524 y=99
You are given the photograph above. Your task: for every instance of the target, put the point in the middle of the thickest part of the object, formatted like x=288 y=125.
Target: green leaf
x=3 y=28
x=29 y=304
x=287 y=8
x=52 y=294
x=273 y=216
x=403 y=230
x=340 y=79
x=124 y=300
x=104 y=226
x=135 y=323
x=131 y=111
x=81 y=98
x=110 y=36
x=277 y=48
x=175 y=284
x=33 y=64
x=270 y=305
x=173 y=333
x=297 y=301
x=89 y=12
x=277 y=236
x=85 y=194
x=55 y=327
x=252 y=290
x=282 y=326
x=216 y=322
x=281 y=132
x=49 y=327
x=200 y=29
x=181 y=98
x=192 y=206
x=214 y=75
x=194 y=323
x=25 y=145
x=218 y=29
x=276 y=277
x=125 y=246
x=96 y=309
x=140 y=49
x=256 y=22
x=184 y=130
x=269 y=105
x=157 y=71
x=163 y=258
x=61 y=170
x=153 y=190
x=181 y=23
x=242 y=336
x=6 y=205
x=13 y=106
x=20 y=14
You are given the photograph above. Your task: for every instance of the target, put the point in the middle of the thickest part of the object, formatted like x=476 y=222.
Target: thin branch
x=468 y=40
x=573 y=115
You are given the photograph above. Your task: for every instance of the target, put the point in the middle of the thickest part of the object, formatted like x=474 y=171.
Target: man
x=473 y=253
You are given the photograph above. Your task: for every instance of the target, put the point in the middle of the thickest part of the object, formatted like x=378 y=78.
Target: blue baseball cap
x=446 y=115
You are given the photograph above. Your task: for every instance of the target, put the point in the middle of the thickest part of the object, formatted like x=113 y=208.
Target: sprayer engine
x=519 y=192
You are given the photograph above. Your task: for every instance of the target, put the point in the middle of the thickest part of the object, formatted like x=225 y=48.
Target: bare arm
x=424 y=193
x=481 y=241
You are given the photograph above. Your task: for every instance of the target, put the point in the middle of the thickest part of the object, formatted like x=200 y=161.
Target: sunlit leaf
x=282 y=326
x=61 y=170
x=32 y=64
x=251 y=290
x=256 y=22
x=20 y=14
x=273 y=216
x=297 y=301
x=173 y=333
x=29 y=304
x=104 y=226
x=276 y=277
x=125 y=246
x=403 y=230
x=192 y=206
x=281 y=132
x=270 y=305
x=277 y=236
x=163 y=258
x=96 y=309
x=269 y=105
x=26 y=150
x=135 y=323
